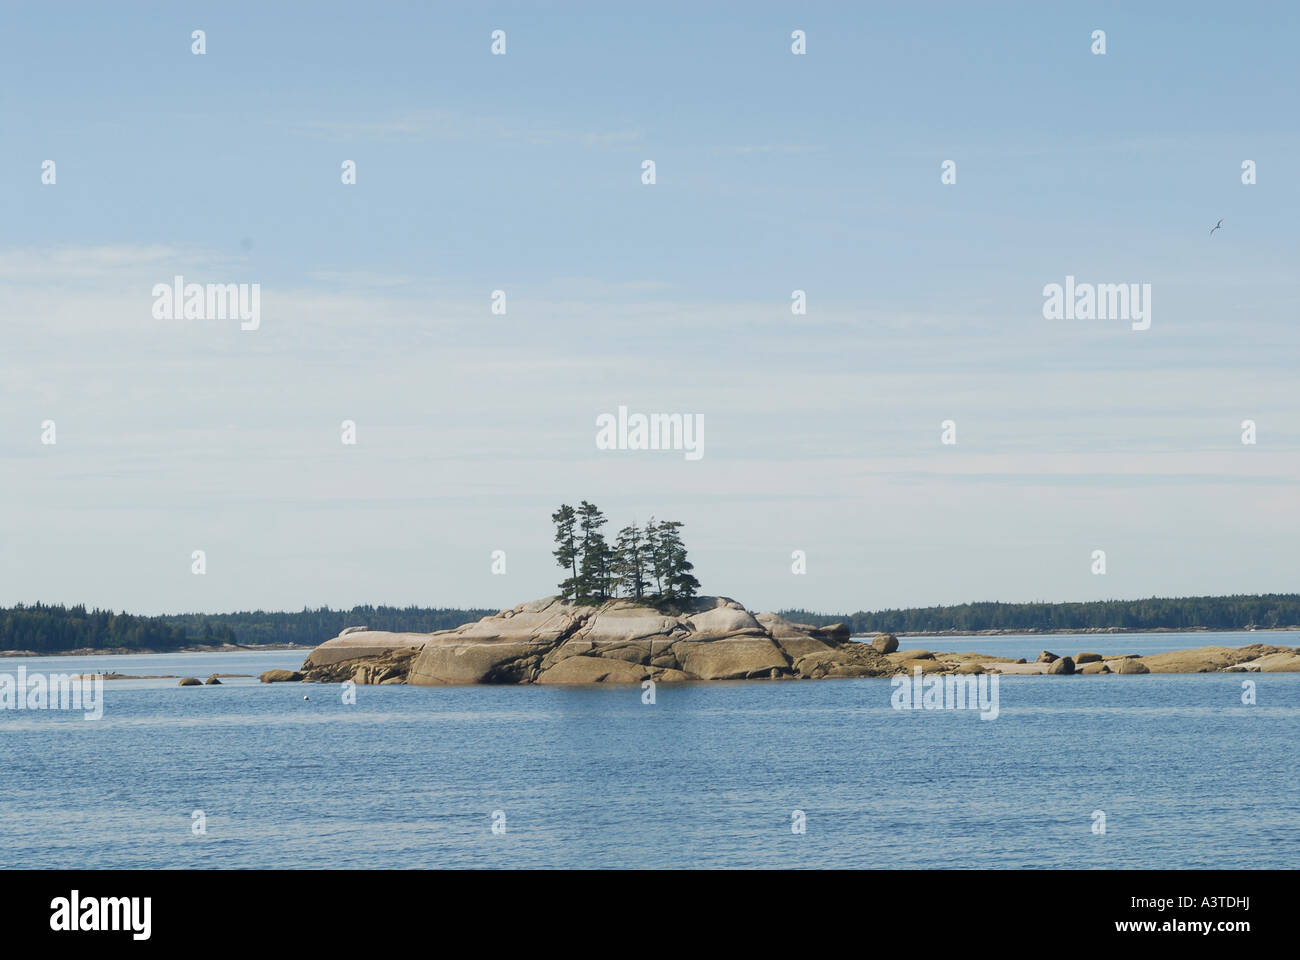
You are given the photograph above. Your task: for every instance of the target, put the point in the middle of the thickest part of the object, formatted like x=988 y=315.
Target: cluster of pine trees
x=644 y=563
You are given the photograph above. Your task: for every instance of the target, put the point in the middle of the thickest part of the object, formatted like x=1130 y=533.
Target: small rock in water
x=280 y=676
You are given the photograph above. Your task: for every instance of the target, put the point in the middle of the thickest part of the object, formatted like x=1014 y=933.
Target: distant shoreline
x=253 y=648
x=30 y=630
x=1083 y=631
x=133 y=651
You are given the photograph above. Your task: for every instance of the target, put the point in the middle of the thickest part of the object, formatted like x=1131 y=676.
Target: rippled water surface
x=1185 y=773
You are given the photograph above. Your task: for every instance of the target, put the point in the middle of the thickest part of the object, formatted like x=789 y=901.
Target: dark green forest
x=48 y=628
x=44 y=629
x=1181 y=613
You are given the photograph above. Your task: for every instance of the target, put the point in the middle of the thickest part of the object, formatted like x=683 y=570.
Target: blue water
x=1186 y=774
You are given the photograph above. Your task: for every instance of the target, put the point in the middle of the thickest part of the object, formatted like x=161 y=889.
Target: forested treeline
x=1176 y=613
x=44 y=628
x=47 y=629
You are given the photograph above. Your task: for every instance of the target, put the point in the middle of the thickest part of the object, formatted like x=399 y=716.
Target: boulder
x=885 y=642
x=1047 y=657
x=190 y=682
x=623 y=621
x=1130 y=665
x=1095 y=666
x=213 y=681
x=1088 y=658
x=781 y=629
x=280 y=676
x=802 y=646
x=671 y=676
x=798 y=639
x=732 y=658
x=834 y=632
x=594 y=670
x=718 y=622
x=1063 y=666
x=478 y=661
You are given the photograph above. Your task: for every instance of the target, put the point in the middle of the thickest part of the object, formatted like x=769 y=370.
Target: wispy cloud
x=99 y=262
x=751 y=149
x=365 y=278
x=426 y=125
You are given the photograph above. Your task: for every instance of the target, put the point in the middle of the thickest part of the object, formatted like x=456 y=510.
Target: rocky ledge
x=706 y=638
x=621 y=641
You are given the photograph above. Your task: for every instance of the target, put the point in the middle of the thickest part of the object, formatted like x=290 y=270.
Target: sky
x=523 y=173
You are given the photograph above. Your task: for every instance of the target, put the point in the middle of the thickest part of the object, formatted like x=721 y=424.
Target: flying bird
x=1216 y=226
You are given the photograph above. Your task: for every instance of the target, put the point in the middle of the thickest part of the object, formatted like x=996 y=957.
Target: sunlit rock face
x=621 y=641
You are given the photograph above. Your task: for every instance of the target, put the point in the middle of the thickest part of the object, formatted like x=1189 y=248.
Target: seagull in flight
x=1216 y=226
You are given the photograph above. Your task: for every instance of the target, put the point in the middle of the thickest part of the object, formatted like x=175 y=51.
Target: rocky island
x=619 y=641
x=558 y=641
x=628 y=612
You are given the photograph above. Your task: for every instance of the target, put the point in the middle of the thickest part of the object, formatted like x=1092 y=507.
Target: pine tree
x=594 y=570
x=653 y=558
x=629 y=562
x=677 y=569
x=566 y=552
x=684 y=584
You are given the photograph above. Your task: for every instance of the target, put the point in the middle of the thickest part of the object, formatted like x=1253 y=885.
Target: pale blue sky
x=522 y=172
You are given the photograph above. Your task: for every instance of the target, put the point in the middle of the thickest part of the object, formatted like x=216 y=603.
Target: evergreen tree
x=653 y=556
x=677 y=569
x=630 y=562
x=594 y=572
x=566 y=548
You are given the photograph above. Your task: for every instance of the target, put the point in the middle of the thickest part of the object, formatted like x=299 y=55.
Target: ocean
x=1181 y=772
